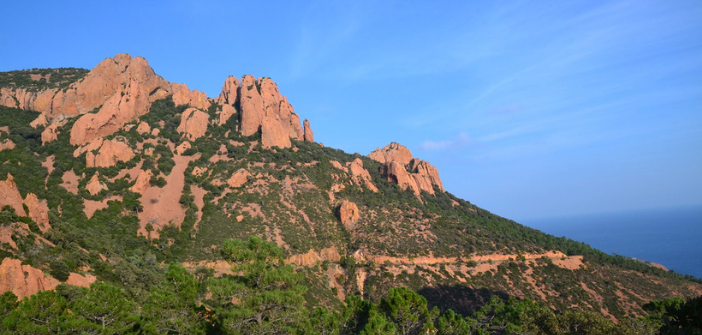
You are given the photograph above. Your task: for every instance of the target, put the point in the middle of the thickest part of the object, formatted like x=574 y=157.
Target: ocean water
x=671 y=237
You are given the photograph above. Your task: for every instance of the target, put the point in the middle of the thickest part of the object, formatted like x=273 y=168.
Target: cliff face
x=410 y=173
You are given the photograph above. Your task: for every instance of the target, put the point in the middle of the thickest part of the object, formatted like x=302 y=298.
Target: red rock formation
x=239 y=178
x=143 y=182
x=309 y=134
x=38 y=211
x=227 y=112
x=182 y=95
x=193 y=123
x=130 y=85
x=348 y=214
x=392 y=152
x=111 y=152
x=94 y=186
x=50 y=133
x=360 y=175
x=25 y=280
x=10 y=195
x=400 y=168
x=263 y=108
x=230 y=92
x=180 y=149
x=143 y=128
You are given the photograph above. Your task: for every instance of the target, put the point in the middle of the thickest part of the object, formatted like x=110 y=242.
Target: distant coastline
x=668 y=236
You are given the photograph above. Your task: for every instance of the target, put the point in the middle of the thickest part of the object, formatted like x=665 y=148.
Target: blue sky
x=529 y=109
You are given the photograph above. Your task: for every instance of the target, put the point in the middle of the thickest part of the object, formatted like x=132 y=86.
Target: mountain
x=110 y=174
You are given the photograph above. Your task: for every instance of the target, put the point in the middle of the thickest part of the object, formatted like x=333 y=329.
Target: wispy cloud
x=455 y=142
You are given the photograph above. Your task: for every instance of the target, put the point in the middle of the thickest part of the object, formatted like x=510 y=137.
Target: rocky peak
x=392 y=152
x=401 y=168
x=264 y=109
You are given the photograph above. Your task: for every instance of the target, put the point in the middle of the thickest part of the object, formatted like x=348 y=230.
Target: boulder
x=348 y=214
x=193 y=123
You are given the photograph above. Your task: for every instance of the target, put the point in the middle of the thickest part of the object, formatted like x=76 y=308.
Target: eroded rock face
x=130 y=85
x=193 y=123
x=50 y=133
x=348 y=214
x=407 y=172
x=110 y=152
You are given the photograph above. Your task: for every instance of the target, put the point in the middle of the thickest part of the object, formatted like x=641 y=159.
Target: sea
x=671 y=237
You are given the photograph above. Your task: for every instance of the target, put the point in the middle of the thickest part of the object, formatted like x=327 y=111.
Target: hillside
x=109 y=175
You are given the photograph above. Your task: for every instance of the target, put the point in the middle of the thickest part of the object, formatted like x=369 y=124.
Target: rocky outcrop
x=130 y=86
x=182 y=95
x=142 y=182
x=181 y=148
x=230 y=92
x=122 y=88
x=348 y=214
x=227 y=112
x=50 y=133
x=25 y=280
x=143 y=128
x=309 y=134
x=38 y=211
x=94 y=186
x=10 y=195
x=263 y=108
x=193 y=123
x=110 y=152
x=392 y=152
x=360 y=175
x=407 y=172
x=239 y=178
x=7 y=144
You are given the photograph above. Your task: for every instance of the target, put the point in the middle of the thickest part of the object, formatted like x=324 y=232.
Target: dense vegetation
x=264 y=296
x=40 y=79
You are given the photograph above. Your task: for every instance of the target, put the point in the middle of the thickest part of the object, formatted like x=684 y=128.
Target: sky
x=529 y=109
